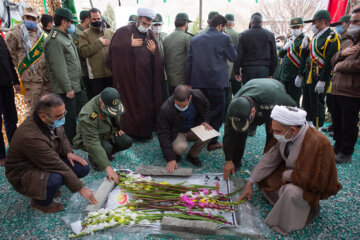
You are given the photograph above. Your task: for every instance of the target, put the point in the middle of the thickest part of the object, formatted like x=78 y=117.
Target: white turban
x=146 y=12
x=291 y=116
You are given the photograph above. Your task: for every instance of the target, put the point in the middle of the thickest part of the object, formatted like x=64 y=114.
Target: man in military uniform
x=317 y=55
x=235 y=85
x=251 y=106
x=342 y=26
x=84 y=24
x=132 y=19
x=64 y=67
x=25 y=43
x=210 y=16
x=160 y=38
x=176 y=46
x=98 y=131
x=291 y=57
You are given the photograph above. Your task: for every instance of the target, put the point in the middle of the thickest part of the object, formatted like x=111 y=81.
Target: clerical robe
x=309 y=167
x=137 y=75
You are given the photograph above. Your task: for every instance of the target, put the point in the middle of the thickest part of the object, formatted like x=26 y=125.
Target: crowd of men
x=116 y=88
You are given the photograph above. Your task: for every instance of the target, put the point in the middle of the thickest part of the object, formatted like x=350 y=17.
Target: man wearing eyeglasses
x=40 y=158
x=251 y=106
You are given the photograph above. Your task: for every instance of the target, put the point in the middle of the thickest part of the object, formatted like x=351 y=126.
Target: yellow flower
x=202 y=200
x=147 y=188
x=131 y=208
x=121 y=220
x=164 y=183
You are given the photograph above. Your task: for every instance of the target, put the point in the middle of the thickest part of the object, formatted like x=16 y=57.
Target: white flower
x=144 y=221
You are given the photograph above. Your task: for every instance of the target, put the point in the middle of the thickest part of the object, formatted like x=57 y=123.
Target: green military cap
x=65 y=13
x=296 y=22
x=84 y=14
x=182 y=17
x=345 y=18
x=229 y=17
x=133 y=18
x=158 y=19
x=107 y=25
x=321 y=14
x=239 y=114
x=212 y=14
x=111 y=99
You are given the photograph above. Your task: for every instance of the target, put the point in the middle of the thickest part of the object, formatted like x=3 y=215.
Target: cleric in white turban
x=296 y=171
x=146 y=12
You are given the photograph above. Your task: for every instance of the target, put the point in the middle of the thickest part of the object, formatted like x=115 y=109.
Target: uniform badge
x=115 y=102
x=296 y=21
x=93 y=115
x=76 y=42
x=54 y=34
x=133 y=17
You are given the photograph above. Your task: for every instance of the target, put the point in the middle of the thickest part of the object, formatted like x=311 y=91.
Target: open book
x=204 y=134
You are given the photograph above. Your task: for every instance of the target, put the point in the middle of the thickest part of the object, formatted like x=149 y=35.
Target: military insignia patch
x=115 y=102
x=76 y=42
x=54 y=34
x=133 y=17
x=296 y=21
x=93 y=115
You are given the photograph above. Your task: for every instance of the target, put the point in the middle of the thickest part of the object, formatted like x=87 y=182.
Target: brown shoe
x=215 y=146
x=57 y=194
x=52 y=208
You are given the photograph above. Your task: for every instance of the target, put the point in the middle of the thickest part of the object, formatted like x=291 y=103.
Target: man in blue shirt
x=206 y=69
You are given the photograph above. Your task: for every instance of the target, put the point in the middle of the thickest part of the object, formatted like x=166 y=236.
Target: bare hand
x=74 y=158
x=105 y=42
x=88 y=195
x=151 y=46
x=171 y=166
x=70 y=94
x=17 y=88
x=238 y=77
x=189 y=87
x=136 y=42
x=228 y=168
x=270 y=77
x=247 y=193
x=121 y=132
x=350 y=50
x=207 y=126
x=111 y=174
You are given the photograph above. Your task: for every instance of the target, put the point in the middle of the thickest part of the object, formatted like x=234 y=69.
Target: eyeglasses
x=58 y=117
x=355 y=21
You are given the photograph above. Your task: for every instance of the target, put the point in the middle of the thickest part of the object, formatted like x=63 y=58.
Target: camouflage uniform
x=36 y=84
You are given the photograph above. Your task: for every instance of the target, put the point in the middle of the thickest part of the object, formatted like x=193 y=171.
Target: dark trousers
x=8 y=111
x=73 y=107
x=165 y=90
x=252 y=72
x=309 y=104
x=228 y=99
x=235 y=86
x=216 y=98
x=119 y=143
x=345 y=119
x=330 y=103
x=55 y=181
x=171 y=90
x=87 y=86
x=292 y=90
x=99 y=84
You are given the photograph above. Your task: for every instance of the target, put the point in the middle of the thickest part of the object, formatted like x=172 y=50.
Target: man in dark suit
x=206 y=69
x=8 y=79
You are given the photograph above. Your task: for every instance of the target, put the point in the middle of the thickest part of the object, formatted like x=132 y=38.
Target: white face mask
x=296 y=32
x=314 y=29
x=278 y=45
x=281 y=138
x=142 y=29
x=156 y=29
x=353 y=29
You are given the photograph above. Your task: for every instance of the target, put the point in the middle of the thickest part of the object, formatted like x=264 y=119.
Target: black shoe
x=93 y=165
x=195 y=161
x=331 y=134
x=313 y=214
x=252 y=131
x=336 y=149
x=342 y=158
x=178 y=158
x=111 y=158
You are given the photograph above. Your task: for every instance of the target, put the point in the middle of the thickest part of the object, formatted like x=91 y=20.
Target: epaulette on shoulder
x=53 y=35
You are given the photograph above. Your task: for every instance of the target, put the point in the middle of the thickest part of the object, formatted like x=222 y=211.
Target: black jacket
x=7 y=70
x=170 y=121
x=256 y=47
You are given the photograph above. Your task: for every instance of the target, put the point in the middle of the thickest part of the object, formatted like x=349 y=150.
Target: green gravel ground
x=339 y=216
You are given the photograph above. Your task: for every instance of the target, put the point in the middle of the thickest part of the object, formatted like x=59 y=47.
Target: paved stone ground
x=339 y=218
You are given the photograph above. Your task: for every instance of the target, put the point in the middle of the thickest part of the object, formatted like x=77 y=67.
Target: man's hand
x=74 y=158
x=305 y=42
x=88 y=195
x=247 y=193
x=350 y=50
x=238 y=77
x=70 y=94
x=121 y=132
x=17 y=88
x=171 y=166
x=320 y=87
x=298 y=81
x=287 y=45
x=228 y=168
x=151 y=46
x=111 y=174
x=207 y=126
x=136 y=42
x=105 y=42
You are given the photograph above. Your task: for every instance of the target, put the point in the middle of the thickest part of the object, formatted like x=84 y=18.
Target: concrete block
x=160 y=171
x=101 y=195
x=193 y=226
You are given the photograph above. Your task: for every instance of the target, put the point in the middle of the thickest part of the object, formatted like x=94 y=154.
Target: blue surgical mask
x=30 y=24
x=71 y=30
x=181 y=110
x=58 y=123
x=339 y=29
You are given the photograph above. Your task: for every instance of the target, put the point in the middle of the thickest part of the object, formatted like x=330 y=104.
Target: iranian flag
x=337 y=9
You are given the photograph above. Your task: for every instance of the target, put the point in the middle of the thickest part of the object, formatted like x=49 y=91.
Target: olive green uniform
x=235 y=85
x=64 y=68
x=164 y=86
x=289 y=69
x=95 y=133
x=265 y=93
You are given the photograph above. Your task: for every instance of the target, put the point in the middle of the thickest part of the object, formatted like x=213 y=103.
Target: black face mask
x=96 y=24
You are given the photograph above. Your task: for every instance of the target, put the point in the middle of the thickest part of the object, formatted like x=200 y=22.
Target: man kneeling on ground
x=40 y=158
x=182 y=111
x=295 y=172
